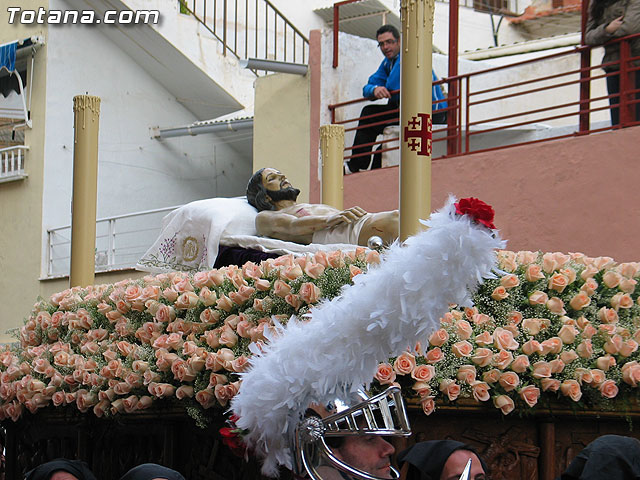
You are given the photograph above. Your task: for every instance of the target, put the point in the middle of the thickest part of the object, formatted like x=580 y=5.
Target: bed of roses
x=552 y=326
x=119 y=347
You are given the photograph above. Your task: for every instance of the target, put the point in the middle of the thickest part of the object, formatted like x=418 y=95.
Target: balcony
x=12 y=163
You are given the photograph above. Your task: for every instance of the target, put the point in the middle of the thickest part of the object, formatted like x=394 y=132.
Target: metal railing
x=521 y=105
x=250 y=29
x=121 y=240
x=12 y=160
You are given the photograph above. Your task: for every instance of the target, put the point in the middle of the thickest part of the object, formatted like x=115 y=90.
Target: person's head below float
x=61 y=469
x=271 y=193
x=350 y=441
x=614 y=457
x=151 y=471
x=442 y=460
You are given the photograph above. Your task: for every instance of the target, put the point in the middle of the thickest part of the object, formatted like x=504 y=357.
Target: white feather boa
x=387 y=310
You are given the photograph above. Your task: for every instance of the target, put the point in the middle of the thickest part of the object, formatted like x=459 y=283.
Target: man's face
x=277 y=185
x=369 y=453
x=389 y=46
x=456 y=462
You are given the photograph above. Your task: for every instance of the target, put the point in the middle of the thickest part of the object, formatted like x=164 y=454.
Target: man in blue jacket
x=380 y=85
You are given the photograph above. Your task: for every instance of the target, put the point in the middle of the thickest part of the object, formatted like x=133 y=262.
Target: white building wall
x=135 y=171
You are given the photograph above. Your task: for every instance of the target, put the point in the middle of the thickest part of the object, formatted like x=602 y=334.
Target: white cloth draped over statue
x=190 y=236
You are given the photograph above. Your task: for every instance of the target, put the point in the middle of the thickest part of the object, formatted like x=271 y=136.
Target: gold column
x=331 y=150
x=86 y=109
x=415 y=114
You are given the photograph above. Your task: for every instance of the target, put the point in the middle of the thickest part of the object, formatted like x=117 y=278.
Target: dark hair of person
x=388 y=28
x=596 y=9
x=257 y=193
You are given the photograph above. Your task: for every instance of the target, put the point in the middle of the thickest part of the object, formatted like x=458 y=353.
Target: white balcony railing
x=12 y=161
x=121 y=241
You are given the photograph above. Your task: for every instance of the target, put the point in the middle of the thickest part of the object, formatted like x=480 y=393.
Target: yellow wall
x=21 y=212
x=281 y=128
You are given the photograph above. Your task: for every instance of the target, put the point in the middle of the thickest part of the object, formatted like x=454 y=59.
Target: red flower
x=233 y=440
x=479 y=211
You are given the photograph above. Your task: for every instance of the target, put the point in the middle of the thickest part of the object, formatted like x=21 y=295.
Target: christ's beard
x=289 y=193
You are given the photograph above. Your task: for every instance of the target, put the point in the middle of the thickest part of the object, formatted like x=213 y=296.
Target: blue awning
x=8 y=56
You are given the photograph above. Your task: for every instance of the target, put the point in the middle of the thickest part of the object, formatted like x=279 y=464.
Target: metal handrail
x=111 y=256
x=282 y=41
x=479 y=107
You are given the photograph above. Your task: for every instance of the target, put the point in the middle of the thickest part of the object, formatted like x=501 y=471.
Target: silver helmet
x=383 y=414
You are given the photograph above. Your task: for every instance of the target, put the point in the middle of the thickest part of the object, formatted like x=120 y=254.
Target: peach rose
x=525 y=257
x=294 y=300
x=530 y=394
x=462 y=349
x=533 y=273
x=404 y=364
x=532 y=326
x=463 y=329
x=514 y=318
x=608 y=389
x=184 y=391
x=538 y=298
x=579 y=301
x=509 y=381
x=224 y=303
x=224 y=393
x=568 y=356
x=589 y=331
x=605 y=362
x=502 y=359
x=583 y=375
x=428 y=405
x=597 y=377
x=503 y=339
x=531 y=346
x=481 y=319
x=551 y=345
x=613 y=344
x=423 y=373
x=491 y=376
x=608 y=315
x=480 y=391
x=439 y=337
x=541 y=369
x=509 y=281
x=309 y=292
x=520 y=364
x=507 y=260
x=567 y=333
x=434 y=355
x=499 y=293
x=628 y=348
x=556 y=306
x=385 y=374
x=314 y=270
x=161 y=390
x=450 y=388
x=631 y=373
x=504 y=403
x=590 y=286
x=422 y=389
x=628 y=285
x=482 y=357
x=571 y=389
x=206 y=398
x=611 y=279
x=484 y=339
x=558 y=282
x=550 y=384
x=466 y=374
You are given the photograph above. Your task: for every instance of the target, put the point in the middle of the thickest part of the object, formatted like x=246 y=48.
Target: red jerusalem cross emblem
x=417 y=134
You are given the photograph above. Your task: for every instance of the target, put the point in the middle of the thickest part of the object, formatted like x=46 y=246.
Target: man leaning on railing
x=385 y=83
